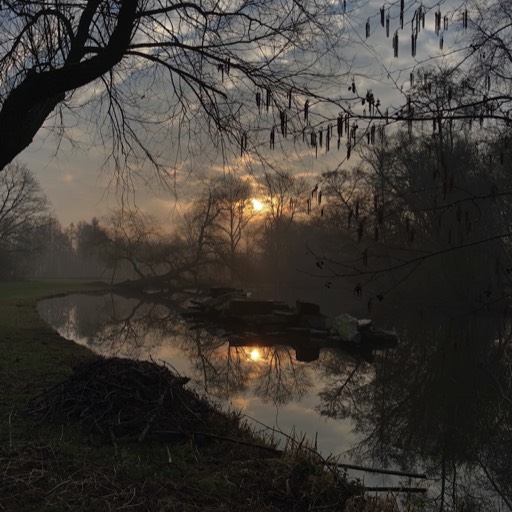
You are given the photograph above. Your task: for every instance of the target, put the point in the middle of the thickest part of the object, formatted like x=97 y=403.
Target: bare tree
x=467 y=81
x=198 y=228
x=145 y=70
x=213 y=228
x=233 y=197
x=432 y=195
x=136 y=245
x=23 y=209
x=22 y=203
x=490 y=33
x=286 y=197
x=133 y=239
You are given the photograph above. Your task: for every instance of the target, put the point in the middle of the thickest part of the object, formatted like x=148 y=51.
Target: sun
x=257 y=204
x=255 y=354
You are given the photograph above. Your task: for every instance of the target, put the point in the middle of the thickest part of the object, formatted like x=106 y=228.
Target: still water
x=440 y=402
x=267 y=383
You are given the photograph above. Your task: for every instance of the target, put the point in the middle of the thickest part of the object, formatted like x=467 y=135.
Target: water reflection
x=268 y=383
x=112 y=325
x=440 y=402
x=273 y=373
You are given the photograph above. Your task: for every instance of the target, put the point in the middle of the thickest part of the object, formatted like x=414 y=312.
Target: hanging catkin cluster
x=320 y=137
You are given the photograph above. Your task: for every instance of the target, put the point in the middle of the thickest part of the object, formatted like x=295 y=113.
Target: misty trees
x=24 y=210
x=206 y=241
x=136 y=244
x=22 y=203
x=217 y=224
x=232 y=196
x=433 y=195
x=133 y=69
x=195 y=231
x=220 y=235
x=240 y=235
x=287 y=196
x=434 y=208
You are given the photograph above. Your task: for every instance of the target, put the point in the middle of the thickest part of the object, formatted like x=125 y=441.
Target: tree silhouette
x=24 y=213
x=134 y=69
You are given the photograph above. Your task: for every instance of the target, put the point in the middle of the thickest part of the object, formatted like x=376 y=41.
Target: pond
x=440 y=402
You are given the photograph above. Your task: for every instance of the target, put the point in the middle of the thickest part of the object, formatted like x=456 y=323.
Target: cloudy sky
x=78 y=187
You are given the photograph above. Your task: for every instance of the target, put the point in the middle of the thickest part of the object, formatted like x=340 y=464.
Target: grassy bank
x=56 y=456
x=32 y=355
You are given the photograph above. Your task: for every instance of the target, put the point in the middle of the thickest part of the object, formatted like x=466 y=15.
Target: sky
x=78 y=188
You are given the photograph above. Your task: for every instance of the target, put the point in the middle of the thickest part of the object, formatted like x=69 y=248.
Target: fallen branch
x=122 y=398
x=379 y=470
x=396 y=489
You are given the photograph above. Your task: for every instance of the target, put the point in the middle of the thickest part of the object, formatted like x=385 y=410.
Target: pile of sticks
x=127 y=399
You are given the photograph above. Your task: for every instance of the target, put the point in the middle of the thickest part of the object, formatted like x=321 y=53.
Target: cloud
x=71 y=172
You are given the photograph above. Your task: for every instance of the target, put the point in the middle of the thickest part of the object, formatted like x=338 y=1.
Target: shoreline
x=217 y=473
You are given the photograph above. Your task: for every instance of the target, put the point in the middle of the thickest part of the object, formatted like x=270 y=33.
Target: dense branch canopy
x=161 y=81
x=23 y=206
x=140 y=66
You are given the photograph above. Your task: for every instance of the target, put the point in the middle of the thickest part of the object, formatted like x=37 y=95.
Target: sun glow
x=255 y=354
x=257 y=205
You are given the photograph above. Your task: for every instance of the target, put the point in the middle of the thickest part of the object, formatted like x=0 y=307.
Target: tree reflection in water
x=440 y=401
x=131 y=327
x=227 y=370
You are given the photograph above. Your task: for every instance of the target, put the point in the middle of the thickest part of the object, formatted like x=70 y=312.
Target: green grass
x=32 y=355
x=55 y=465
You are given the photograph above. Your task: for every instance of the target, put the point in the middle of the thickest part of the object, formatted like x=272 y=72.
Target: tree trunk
x=30 y=103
